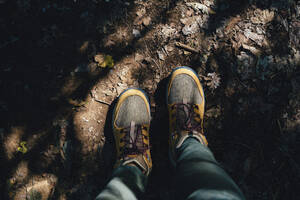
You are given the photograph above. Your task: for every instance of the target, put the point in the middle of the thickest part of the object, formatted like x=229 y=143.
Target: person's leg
x=131 y=123
x=198 y=175
x=127 y=182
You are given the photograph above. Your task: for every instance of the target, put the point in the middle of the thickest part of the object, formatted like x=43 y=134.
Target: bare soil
x=57 y=98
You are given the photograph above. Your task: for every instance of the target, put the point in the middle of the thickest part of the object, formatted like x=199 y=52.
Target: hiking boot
x=131 y=122
x=185 y=99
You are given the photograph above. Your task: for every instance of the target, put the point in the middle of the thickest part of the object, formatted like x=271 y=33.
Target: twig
x=102 y=102
x=163 y=49
x=99 y=101
x=155 y=62
x=186 y=47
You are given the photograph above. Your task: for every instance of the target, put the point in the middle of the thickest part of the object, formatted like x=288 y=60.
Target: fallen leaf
x=99 y=58
x=253 y=50
x=213 y=112
x=201 y=7
x=208 y=3
x=141 y=12
x=108 y=62
x=233 y=21
x=190 y=29
x=39 y=189
x=254 y=36
x=146 y=21
x=168 y=31
x=215 y=80
x=84 y=47
x=138 y=21
x=189 y=12
x=138 y=57
x=161 y=55
x=168 y=48
x=22 y=148
x=109 y=43
x=104 y=60
x=192 y=24
x=186 y=52
x=262 y=16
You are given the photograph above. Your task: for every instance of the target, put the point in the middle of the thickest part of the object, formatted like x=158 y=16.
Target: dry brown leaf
x=84 y=47
x=213 y=112
x=200 y=7
x=189 y=12
x=232 y=22
x=262 y=16
x=146 y=21
x=109 y=43
x=141 y=12
x=99 y=58
x=161 y=55
x=169 y=48
x=138 y=57
x=138 y=21
x=253 y=50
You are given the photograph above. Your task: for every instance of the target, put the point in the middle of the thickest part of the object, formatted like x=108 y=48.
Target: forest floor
x=58 y=87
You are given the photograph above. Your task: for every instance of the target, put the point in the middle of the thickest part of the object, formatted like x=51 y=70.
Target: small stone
x=136 y=33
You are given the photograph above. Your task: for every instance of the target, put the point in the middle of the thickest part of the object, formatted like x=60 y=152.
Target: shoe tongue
x=182 y=114
x=184 y=101
x=133 y=138
x=138 y=160
x=132 y=132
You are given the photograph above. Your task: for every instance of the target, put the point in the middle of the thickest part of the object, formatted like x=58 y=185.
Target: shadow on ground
x=46 y=48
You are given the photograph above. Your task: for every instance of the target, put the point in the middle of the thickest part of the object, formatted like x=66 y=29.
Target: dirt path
x=58 y=99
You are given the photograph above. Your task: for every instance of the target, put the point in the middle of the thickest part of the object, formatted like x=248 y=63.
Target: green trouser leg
x=127 y=183
x=199 y=176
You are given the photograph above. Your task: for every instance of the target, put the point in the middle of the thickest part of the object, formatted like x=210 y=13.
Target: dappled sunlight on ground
x=58 y=94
